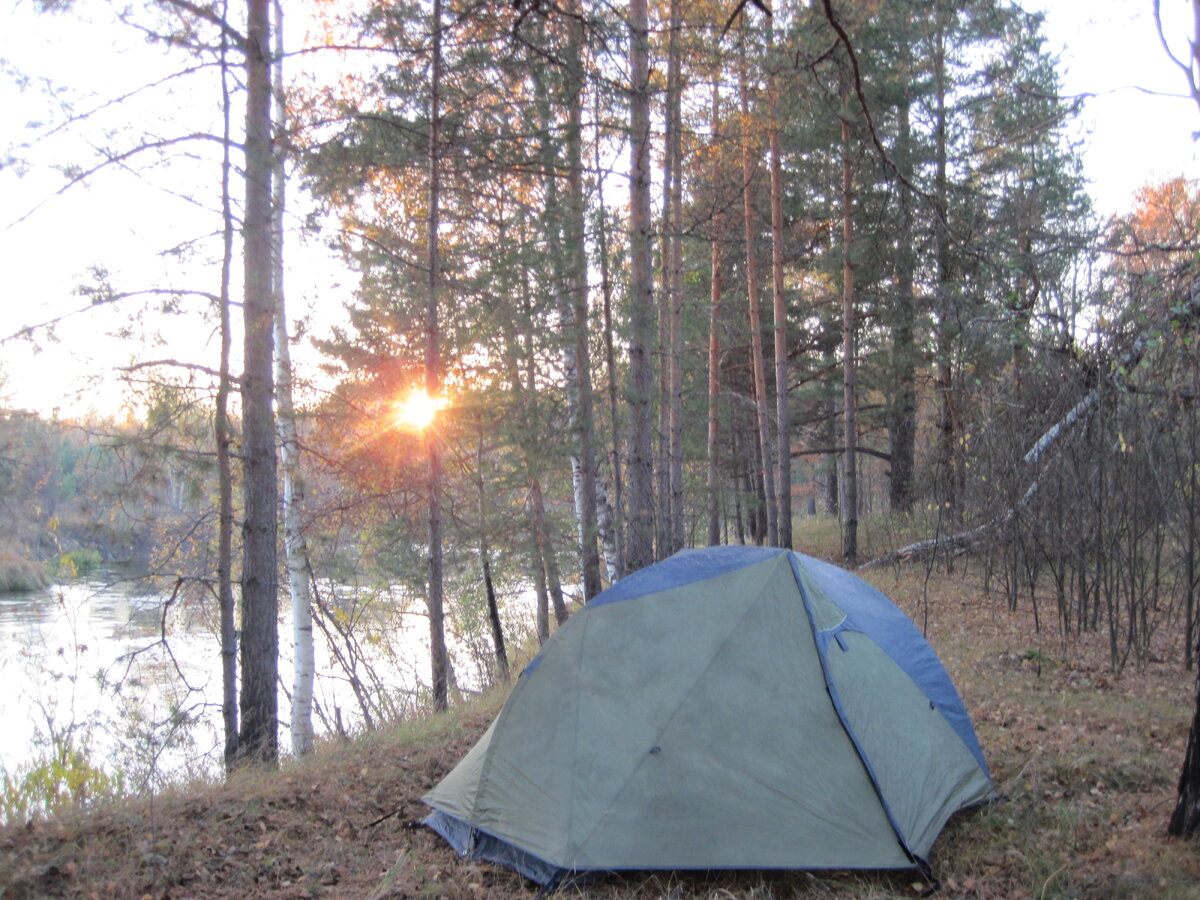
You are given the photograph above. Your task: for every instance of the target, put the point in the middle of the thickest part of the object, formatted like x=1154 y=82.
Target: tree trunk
x=615 y=558
x=1185 y=819
x=577 y=287
x=258 y=736
x=606 y=527
x=850 y=464
x=549 y=561
x=943 y=361
x=223 y=438
x=766 y=457
x=714 y=344
x=294 y=544
x=640 y=544
x=538 y=568
x=485 y=565
x=674 y=398
x=830 y=405
x=779 y=307
x=902 y=423
x=439 y=659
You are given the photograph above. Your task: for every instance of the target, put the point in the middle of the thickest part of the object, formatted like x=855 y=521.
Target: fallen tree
x=1181 y=315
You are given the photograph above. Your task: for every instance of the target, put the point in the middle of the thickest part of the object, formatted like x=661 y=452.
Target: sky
x=1137 y=127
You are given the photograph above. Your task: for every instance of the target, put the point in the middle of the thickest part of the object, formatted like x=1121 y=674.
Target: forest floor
x=1086 y=761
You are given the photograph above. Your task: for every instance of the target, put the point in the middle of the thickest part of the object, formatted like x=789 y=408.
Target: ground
x=1086 y=762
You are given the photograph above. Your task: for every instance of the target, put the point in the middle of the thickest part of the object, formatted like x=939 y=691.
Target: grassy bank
x=1086 y=762
x=20 y=574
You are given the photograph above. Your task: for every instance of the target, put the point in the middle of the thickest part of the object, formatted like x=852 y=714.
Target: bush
x=18 y=574
x=64 y=777
x=76 y=563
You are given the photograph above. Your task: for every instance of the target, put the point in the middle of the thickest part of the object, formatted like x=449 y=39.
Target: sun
x=416 y=409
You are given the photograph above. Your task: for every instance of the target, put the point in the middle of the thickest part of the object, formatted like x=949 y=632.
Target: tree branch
x=175 y=364
x=114 y=160
x=207 y=15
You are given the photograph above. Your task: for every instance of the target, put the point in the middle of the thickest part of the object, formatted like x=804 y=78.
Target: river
x=135 y=679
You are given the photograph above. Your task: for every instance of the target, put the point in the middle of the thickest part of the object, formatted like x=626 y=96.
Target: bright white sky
x=123 y=220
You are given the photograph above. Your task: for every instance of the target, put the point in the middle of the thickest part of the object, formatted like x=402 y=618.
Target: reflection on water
x=86 y=661
x=134 y=675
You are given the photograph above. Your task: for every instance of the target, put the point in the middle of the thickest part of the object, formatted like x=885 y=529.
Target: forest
x=626 y=280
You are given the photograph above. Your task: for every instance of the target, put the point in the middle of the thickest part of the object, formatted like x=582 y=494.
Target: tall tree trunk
x=902 y=422
x=714 y=342
x=849 y=365
x=575 y=233
x=674 y=398
x=439 y=659
x=223 y=438
x=640 y=545
x=294 y=543
x=615 y=559
x=258 y=739
x=758 y=365
x=944 y=344
x=779 y=307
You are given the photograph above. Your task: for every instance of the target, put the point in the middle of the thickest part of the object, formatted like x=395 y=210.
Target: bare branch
x=207 y=15
x=104 y=299
x=172 y=363
x=114 y=160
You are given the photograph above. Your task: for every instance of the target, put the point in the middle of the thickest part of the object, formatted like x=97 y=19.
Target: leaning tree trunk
x=258 y=739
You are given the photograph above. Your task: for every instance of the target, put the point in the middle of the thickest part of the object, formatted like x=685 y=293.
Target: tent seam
x=835 y=700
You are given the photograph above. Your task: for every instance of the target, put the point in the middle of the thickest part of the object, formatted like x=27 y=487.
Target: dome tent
x=727 y=708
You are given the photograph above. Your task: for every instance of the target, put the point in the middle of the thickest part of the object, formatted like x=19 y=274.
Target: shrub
x=17 y=574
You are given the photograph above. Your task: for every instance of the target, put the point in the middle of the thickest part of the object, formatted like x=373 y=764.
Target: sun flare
x=417 y=409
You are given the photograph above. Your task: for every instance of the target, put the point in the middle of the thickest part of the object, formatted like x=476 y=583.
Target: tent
x=727 y=708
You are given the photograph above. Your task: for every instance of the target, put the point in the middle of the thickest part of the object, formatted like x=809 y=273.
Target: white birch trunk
x=294 y=545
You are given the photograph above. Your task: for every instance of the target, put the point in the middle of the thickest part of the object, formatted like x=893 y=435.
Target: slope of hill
x=1086 y=761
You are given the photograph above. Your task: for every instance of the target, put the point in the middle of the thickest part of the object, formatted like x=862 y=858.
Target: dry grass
x=1087 y=763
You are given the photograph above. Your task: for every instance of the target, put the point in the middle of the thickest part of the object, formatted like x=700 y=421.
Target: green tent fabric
x=731 y=707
